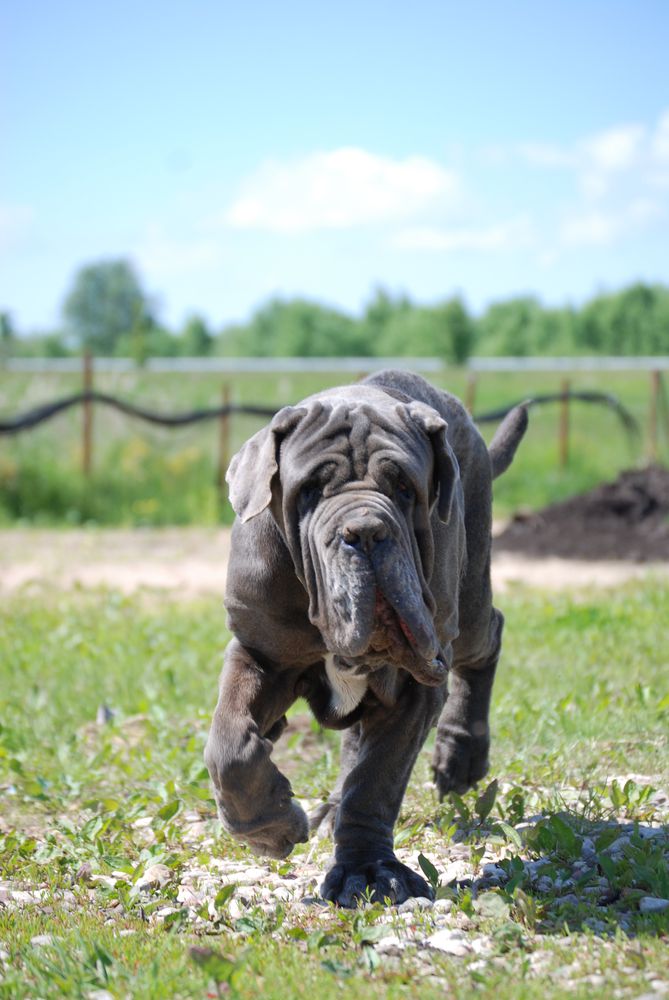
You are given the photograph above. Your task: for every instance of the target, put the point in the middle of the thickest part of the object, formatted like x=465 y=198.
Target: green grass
x=580 y=704
x=144 y=475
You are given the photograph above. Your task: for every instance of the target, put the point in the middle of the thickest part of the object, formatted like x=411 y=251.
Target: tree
x=296 y=328
x=633 y=321
x=510 y=328
x=196 y=339
x=444 y=331
x=106 y=301
x=381 y=312
x=458 y=331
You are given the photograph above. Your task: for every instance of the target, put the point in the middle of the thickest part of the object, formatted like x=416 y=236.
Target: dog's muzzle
x=369 y=598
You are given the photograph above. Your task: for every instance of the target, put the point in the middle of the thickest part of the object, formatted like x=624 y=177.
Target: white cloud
x=340 y=189
x=595 y=159
x=614 y=149
x=598 y=228
x=660 y=140
x=620 y=174
x=592 y=229
x=501 y=236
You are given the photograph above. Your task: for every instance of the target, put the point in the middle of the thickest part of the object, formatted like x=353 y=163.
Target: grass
x=580 y=724
x=144 y=475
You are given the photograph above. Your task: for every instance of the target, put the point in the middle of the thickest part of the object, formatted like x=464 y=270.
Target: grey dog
x=359 y=579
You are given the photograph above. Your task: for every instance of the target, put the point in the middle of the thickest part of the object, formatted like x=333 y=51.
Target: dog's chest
x=348 y=689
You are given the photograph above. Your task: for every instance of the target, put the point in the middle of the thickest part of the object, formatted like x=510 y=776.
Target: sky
x=235 y=152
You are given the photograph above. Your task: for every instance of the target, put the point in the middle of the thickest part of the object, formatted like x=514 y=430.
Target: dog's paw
x=378 y=881
x=277 y=838
x=458 y=762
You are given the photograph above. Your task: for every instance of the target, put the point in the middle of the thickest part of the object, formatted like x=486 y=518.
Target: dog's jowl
x=359 y=578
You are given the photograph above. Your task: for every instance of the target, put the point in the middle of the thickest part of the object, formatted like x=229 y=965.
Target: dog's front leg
x=389 y=739
x=254 y=799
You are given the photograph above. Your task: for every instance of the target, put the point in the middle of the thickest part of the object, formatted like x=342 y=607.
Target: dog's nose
x=364 y=532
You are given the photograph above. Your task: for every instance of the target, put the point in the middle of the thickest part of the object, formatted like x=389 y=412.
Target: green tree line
x=108 y=312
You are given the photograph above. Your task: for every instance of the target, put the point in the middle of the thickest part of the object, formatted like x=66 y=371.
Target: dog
x=359 y=579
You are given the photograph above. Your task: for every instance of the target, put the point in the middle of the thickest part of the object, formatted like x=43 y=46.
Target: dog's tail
x=507 y=437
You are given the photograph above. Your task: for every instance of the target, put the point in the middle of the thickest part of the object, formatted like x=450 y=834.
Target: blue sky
x=237 y=151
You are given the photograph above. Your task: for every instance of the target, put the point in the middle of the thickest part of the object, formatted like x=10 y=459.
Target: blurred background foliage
x=109 y=313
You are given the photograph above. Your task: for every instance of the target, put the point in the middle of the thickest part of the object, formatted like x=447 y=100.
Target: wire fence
x=90 y=397
x=47 y=411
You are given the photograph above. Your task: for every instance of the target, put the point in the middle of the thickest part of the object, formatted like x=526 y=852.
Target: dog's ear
x=446 y=468
x=255 y=465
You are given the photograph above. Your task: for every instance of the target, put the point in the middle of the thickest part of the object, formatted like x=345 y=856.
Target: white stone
x=415 y=903
x=571 y=897
x=390 y=944
x=156 y=876
x=443 y=905
x=250 y=876
x=105 y=880
x=188 y=896
x=25 y=898
x=588 y=847
x=494 y=871
x=42 y=940
x=653 y=904
x=142 y=821
x=453 y=942
x=481 y=945
x=618 y=845
x=163 y=912
x=595 y=979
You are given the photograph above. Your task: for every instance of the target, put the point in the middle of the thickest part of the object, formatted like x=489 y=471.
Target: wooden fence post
x=563 y=447
x=470 y=395
x=87 y=420
x=653 y=411
x=224 y=440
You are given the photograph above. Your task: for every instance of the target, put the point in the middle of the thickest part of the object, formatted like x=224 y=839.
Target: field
x=144 y=475
x=116 y=879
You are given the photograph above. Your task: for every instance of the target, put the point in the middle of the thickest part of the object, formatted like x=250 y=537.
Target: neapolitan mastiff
x=359 y=578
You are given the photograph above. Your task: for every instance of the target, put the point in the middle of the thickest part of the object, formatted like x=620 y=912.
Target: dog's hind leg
x=255 y=801
x=322 y=818
x=463 y=734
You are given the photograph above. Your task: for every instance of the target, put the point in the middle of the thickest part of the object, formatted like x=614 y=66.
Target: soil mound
x=627 y=520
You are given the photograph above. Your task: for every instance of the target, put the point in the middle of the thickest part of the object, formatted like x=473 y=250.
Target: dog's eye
x=404 y=490
x=310 y=494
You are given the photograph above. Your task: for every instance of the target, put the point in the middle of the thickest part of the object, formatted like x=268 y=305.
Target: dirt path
x=193 y=561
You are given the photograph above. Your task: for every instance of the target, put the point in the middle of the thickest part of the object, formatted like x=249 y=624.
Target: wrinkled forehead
x=355 y=435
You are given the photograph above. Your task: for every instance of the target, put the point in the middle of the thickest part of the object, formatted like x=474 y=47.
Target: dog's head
x=353 y=480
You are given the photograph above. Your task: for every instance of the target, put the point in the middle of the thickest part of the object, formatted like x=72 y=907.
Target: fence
x=232 y=366
x=224 y=413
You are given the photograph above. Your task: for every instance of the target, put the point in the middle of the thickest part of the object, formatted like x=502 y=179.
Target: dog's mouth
x=392 y=640
x=390 y=635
